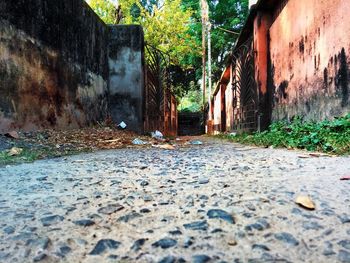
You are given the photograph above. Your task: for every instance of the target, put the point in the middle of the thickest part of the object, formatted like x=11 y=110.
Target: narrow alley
x=216 y=202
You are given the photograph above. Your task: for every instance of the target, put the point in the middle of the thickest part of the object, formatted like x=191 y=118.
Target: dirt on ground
x=53 y=143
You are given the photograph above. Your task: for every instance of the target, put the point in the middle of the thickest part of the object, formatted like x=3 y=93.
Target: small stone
x=217 y=230
x=345 y=244
x=9 y=230
x=198 y=225
x=145 y=210
x=138 y=244
x=260 y=225
x=188 y=242
x=175 y=232
x=42 y=243
x=312 y=225
x=344 y=218
x=51 y=220
x=39 y=257
x=165 y=243
x=260 y=247
x=84 y=222
x=4 y=255
x=144 y=183
x=221 y=214
x=344 y=256
x=287 y=238
x=203 y=181
x=103 y=245
x=129 y=217
x=328 y=249
x=147 y=198
x=172 y=259
x=200 y=259
x=63 y=251
x=168 y=259
x=110 y=209
x=327 y=232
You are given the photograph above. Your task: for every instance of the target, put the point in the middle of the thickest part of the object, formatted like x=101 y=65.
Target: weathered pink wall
x=310 y=47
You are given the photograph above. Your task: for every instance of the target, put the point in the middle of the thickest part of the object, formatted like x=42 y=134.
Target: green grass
x=326 y=136
x=30 y=155
x=27 y=155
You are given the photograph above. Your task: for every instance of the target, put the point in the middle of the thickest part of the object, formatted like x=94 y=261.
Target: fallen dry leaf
x=12 y=134
x=15 y=151
x=165 y=147
x=345 y=178
x=232 y=242
x=305 y=201
x=303 y=156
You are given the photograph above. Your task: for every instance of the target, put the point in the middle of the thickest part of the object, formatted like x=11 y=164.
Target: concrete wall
x=310 y=56
x=53 y=65
x=126 y=84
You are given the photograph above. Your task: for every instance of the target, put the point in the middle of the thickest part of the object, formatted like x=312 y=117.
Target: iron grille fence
x=161 y=104
x=245 y=94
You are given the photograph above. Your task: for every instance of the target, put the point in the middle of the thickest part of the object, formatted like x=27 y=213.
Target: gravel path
x=216 y=202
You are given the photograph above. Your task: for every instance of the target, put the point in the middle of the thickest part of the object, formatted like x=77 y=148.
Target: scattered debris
x=138 y=141
x=15 y=151
x=122 y=125
x=305 y=202
x=164 y=146
x=12 y=134
x=345 y=178
x=196 y=142
x=157 y=135
x=303 y=156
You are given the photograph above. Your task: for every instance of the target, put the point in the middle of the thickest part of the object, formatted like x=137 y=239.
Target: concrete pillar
x=126 y=76
x=262 y=24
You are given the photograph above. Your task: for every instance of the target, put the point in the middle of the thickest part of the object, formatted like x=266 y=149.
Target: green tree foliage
x=165 y=23
x=105 y=9
x=174 y=27
x=224 y=15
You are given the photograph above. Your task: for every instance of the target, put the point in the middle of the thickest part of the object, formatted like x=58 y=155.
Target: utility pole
x=209 y=69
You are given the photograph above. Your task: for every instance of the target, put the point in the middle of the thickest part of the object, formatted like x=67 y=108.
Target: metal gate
x=245 y=94
x=161 y=105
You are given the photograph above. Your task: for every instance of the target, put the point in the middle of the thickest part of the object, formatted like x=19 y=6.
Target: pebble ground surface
x=216 y=202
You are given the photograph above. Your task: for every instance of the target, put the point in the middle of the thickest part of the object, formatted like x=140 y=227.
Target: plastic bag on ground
x=138 y=141
x=122 y=125
x=157 y=135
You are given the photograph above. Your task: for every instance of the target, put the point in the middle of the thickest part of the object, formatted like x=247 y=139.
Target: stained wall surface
x=309 y=48
x=126 y=71
x=53 y=65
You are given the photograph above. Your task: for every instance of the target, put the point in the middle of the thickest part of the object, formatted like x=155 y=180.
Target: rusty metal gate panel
x=245 y=93
x=161 y=105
